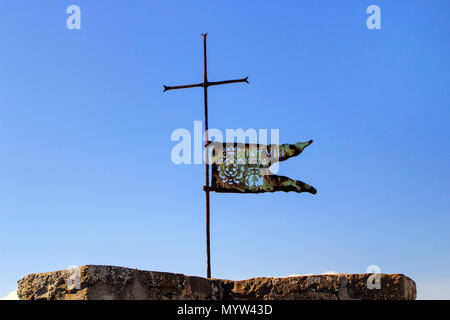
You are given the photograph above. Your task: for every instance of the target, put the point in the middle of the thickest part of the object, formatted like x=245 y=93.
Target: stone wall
x=116 y=283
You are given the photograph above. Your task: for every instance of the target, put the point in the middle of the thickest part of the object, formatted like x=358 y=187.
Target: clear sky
x=85 y=169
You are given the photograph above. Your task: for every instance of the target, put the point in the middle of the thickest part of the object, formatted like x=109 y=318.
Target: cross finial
x=205 y=84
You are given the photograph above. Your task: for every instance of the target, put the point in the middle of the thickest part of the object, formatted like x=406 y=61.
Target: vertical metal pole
x=205 y=90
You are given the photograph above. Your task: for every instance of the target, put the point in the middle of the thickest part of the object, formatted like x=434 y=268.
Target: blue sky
x=85 y=169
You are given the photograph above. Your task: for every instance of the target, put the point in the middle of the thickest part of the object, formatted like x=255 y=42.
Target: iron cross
x=205 y=84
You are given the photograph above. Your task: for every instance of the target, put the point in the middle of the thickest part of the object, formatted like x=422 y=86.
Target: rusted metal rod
x=208 y=84
x=205 y=90
x=166 y=88
x=215 y=83
x=205 y=84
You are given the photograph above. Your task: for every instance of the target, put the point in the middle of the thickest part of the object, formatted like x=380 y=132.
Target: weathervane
x=240 y=167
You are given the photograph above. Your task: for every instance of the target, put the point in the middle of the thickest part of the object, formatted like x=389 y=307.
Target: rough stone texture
x=117 y=283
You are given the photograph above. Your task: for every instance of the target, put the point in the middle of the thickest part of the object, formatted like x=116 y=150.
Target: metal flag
x=244 y=168
x=247 y=173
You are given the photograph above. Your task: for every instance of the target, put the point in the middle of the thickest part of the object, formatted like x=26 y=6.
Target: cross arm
x=208 y=84
x=216 y=83
x=166 y=88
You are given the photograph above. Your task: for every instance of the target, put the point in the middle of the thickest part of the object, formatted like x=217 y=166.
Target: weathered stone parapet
x=116 y=283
